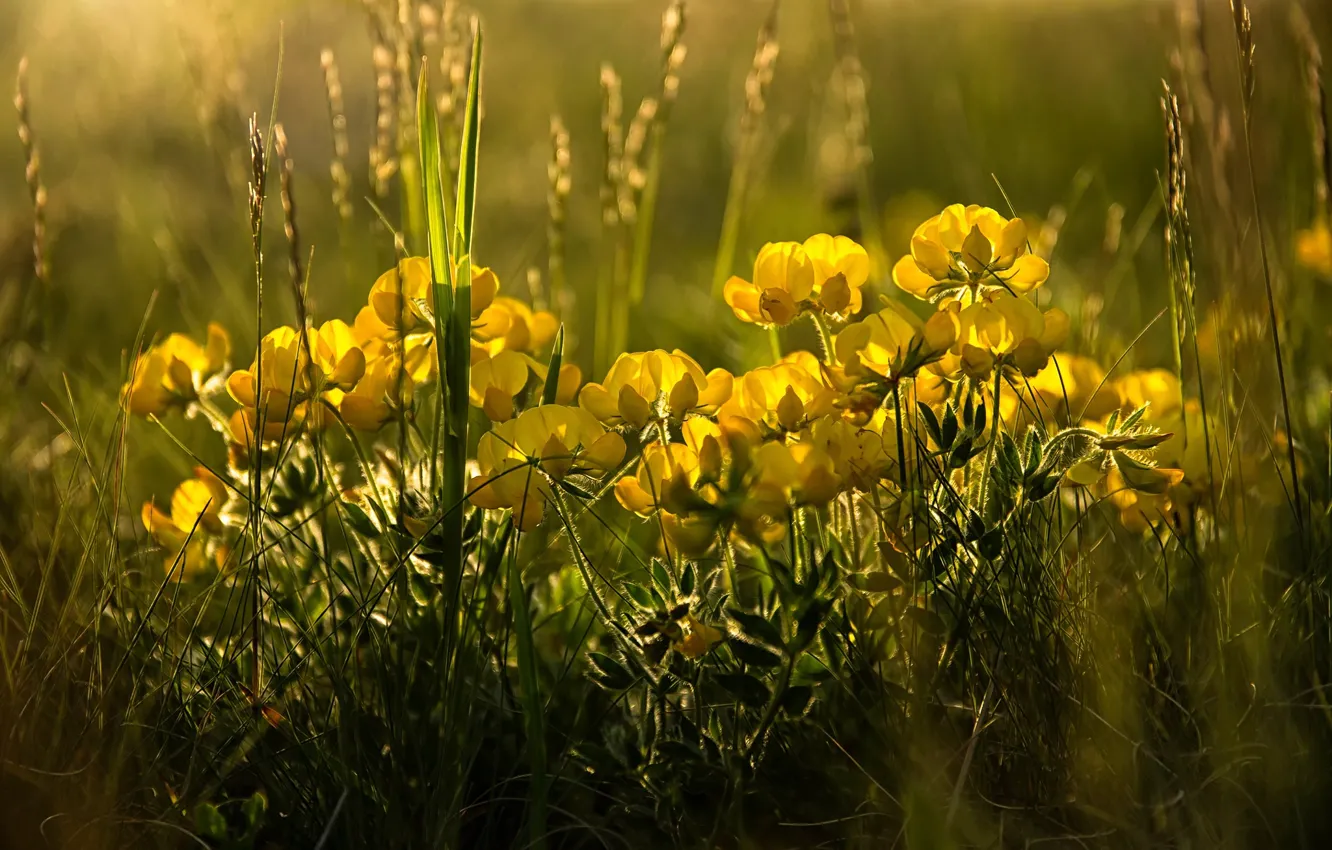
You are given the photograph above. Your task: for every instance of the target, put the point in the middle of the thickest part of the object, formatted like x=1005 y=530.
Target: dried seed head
x=612 y=132
x=258 y=179
x=1316 y=94
x=337 y=116
x=32 y=173
x=289 y=220
x=1239 y=12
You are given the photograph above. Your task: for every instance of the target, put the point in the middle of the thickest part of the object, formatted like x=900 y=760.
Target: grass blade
x=550 y=391
x=441 y=256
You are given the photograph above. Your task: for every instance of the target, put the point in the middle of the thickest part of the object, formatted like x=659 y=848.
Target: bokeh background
x=140 y=109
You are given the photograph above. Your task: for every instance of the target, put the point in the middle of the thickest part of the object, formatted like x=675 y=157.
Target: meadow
x=665 y=423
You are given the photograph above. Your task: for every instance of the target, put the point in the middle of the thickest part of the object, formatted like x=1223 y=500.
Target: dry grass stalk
x=612 y=134
x=383 y=163
x=1200 y=108
x=32 y=173
x=1245 y=50
x=854 y=90
x=258 y=181
x=289 y=221
x=337 y=115
x=761 y=71
x=558 y=172
x=1317 y=98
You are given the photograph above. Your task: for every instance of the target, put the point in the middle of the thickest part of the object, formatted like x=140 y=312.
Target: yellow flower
x=783 y=280
x=781 y=396
x=173 y=372
x=841 y=268
x=552 y=439
x=1007 y=329
x=641 y=387
x=969 y=247
x=196 y=508
x=381 y=394
x=337 y=355
x=1061 y=391
x=826 y=273
x=510 y=324
x=698 y=638
x=285 y=384
x=395 y=294
x=803 y=472
x=495 y=381
x=665 y=478
x=401 y=298
x=894 y=342
x=1313 y=248
x=859 y=455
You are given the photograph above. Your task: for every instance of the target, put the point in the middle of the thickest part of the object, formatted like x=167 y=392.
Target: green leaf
x=925 y=619
x=745 y=688
x=609 y=672
x=796 y=700
x=360 y=521
x=466 y=201
x=948 y=431
x=209 y=822
x=422 y=592
x=753 y=654
x=756 y=627
x=642 y=597
x=808 y=623
x=687 y=579
x=253 y=810
x=661 y=579
x=876 y=582
x=550 y=391
x=931 y=423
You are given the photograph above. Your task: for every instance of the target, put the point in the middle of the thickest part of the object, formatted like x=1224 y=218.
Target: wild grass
x=920 y=584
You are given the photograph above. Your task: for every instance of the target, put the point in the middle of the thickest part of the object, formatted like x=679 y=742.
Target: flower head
x=517 y=458
x=969 y=247
x=650 y=385
x=823 y=274
x=173 y=372
x=196 y=508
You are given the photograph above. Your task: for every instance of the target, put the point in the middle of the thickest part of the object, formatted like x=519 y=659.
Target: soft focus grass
x=1210 y=726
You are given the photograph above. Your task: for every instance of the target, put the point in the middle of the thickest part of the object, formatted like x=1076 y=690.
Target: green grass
x=395 y=668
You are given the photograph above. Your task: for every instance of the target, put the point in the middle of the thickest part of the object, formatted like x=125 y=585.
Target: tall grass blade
x=441 y=294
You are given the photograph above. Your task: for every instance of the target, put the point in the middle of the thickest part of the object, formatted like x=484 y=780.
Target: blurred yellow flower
x=377 y=399
x=495 y=381
x=644 y=386
x=552 y=439
x=969 y=247
x=781 y=396
x=196 y=508
x=1313 y=248
x=510 y=324
x=173 y=372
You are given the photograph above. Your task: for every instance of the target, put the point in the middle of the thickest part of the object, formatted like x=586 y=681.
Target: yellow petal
x=911 y=279
x=633 y=408
x=1027 y=273
x=977 y=251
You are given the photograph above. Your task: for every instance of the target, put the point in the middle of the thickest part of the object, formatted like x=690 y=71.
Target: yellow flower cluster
x=712 y=456
x=366 y=373
x=174 y=372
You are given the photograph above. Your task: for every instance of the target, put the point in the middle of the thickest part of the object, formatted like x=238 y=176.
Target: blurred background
x=140 y=107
